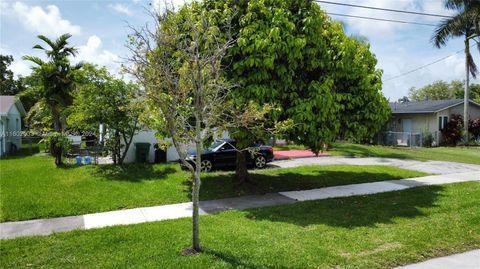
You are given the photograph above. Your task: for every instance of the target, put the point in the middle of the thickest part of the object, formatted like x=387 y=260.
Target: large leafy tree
x=11 y=86
x=442 y=90
x=103 y=99
x=54 y=81
x=438 y=90
x=292 y=56
x=465 y=24
x=474 y=93
x=8 y=85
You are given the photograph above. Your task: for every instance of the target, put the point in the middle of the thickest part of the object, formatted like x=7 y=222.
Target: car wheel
x=260 y=161
x=206 y=166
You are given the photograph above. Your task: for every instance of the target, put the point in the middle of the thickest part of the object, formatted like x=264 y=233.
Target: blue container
x=88 y=160
x=79 y=160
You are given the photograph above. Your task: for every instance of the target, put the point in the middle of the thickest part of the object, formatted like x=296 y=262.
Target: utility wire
x=384 y=9
x=423 y=66
x=380 y=19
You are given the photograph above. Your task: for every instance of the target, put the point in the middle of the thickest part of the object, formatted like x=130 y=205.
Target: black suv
x=222 y=153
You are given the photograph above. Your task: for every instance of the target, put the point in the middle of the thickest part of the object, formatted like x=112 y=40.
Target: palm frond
x=33 y=59
x=70 y=51
x=38 y=47
x=461 y=4
x=62 y=41
x=472 y=66
x=63 y=38
x=47 y=40
x=78 y=66
x=456 y=26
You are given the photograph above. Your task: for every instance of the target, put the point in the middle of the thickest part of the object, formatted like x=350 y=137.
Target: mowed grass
x=31 y=187
x=452 y=154
x=289 y=147
x=375 y=231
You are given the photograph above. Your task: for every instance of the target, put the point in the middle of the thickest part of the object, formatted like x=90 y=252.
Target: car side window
x=227 y=146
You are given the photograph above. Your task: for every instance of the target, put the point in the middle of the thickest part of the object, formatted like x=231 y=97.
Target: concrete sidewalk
x=467 y=260
x=182 y=210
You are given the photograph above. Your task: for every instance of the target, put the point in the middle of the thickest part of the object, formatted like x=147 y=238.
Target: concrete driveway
x=431 y=167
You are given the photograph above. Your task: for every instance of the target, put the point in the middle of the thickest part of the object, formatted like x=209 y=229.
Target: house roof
x=429 y=106
x=7 y=101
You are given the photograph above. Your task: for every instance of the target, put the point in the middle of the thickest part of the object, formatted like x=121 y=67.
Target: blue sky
x=100 y=29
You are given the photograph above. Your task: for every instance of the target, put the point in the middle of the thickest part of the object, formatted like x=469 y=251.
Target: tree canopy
x=103 y=99
x=8 y=85
x=442 y=90
x=290 y=54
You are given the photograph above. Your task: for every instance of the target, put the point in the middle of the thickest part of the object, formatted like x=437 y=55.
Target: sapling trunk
x=196 y=189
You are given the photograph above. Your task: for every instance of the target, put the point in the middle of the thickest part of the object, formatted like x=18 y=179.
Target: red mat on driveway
x=287 y=154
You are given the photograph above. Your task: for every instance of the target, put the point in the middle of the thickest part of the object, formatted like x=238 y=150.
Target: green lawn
x=31 y=187
x=374 y=231
x=289 y=147
x=452 y=154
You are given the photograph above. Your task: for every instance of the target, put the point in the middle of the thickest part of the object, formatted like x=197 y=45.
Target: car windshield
x=215 y=145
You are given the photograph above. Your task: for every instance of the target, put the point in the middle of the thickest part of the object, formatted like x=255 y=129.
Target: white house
x=428 y=116
x=11 y=113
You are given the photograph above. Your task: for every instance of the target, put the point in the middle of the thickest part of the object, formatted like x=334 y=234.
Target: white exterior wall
x=13 y=128
x=148 y=136
x=2 y=138
x=473 y=111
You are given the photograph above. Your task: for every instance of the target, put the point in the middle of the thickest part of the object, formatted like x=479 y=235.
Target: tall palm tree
x=466 y=24
x=56 y=76
x=56 y=81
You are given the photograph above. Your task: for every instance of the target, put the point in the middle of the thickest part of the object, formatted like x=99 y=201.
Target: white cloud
x=19 y=67
x=46 y=21
x=435 y=7
x=92 y=52
x=123 y=9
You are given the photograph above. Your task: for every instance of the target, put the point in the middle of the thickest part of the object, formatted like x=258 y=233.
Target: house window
x=442 y=122
x=17 y=127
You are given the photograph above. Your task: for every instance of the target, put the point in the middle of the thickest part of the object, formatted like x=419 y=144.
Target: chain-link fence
x=407 y=139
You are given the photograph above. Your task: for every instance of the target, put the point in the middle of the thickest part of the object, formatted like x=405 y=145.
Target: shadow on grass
x=230 y=259
x=134 y=172
x=351 y=212
x=24 y=152
x=220 y=185
x=365 y=151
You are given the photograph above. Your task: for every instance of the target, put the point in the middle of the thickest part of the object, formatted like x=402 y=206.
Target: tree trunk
x=117 y=148
x=56 y=120
x=56 y=152
x=58 y=160
x=466 y=95
x=241 y=172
